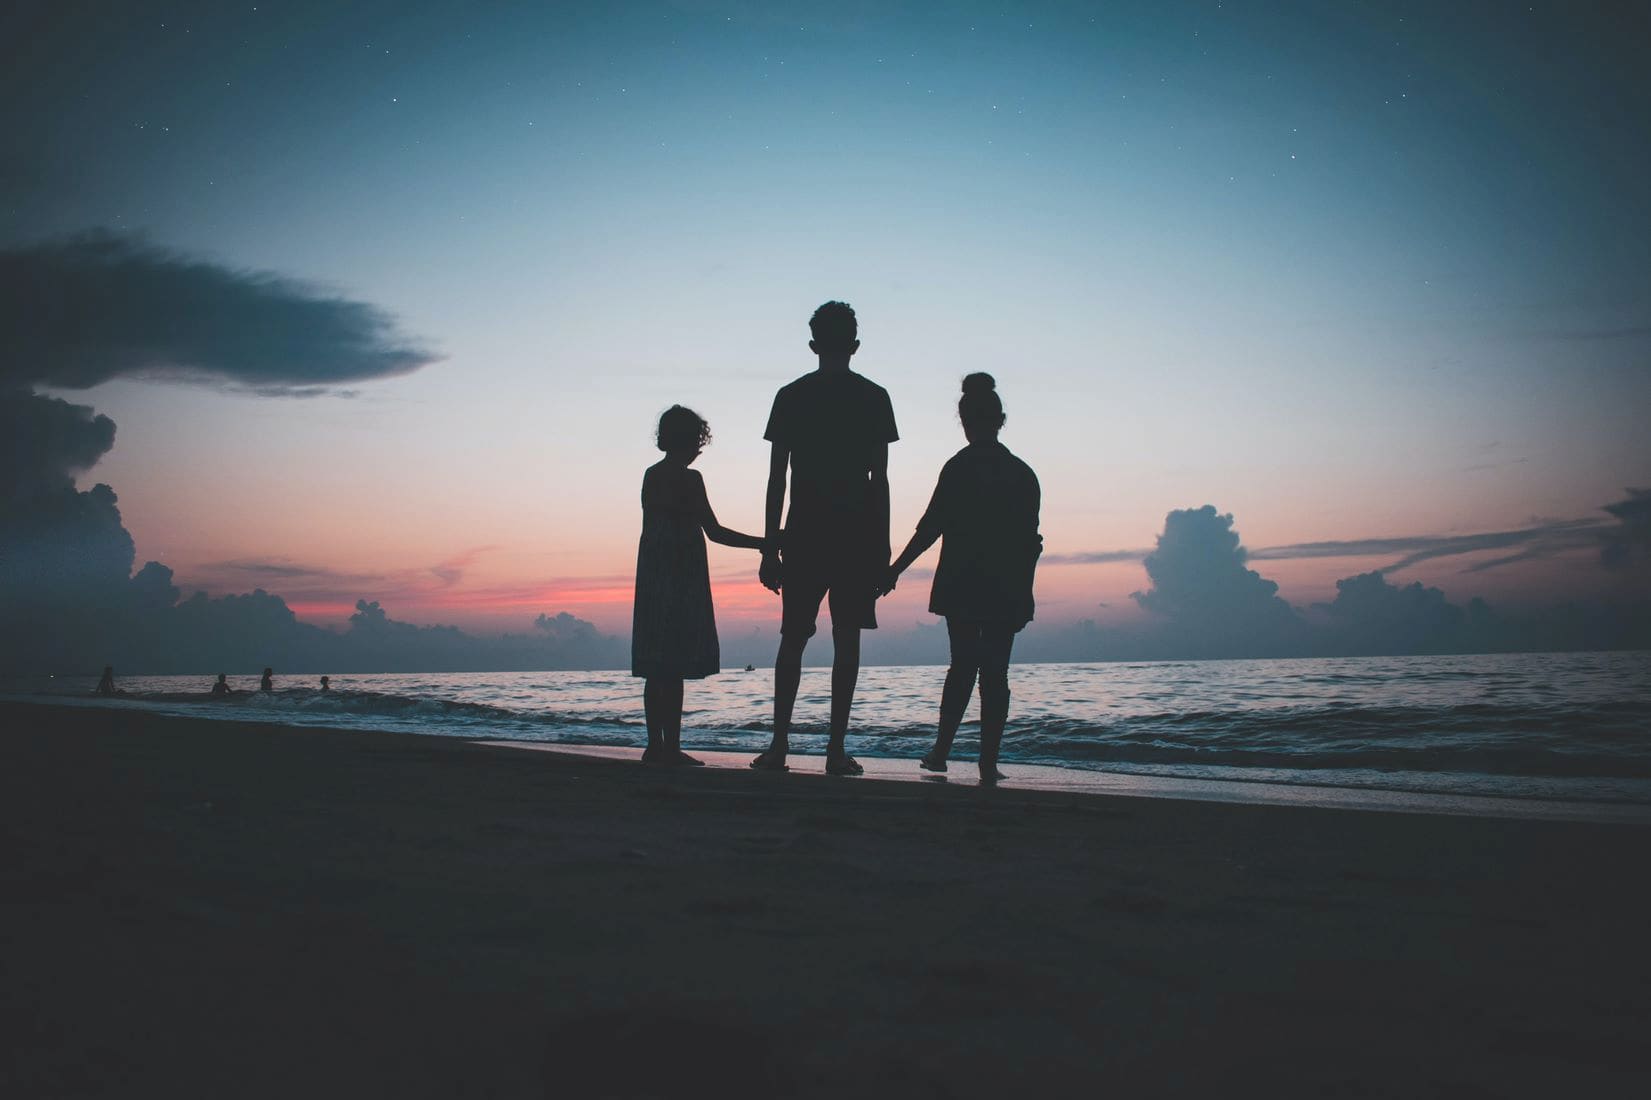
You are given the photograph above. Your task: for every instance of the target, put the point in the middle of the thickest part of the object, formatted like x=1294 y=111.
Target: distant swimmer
x=268 y=682
x=222 y=686
x=326 y=683
x=106 y=686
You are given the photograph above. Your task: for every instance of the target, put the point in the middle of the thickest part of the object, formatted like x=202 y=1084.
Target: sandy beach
x=198 y=908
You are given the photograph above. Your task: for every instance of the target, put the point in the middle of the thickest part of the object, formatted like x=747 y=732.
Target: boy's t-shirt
x=833 y=423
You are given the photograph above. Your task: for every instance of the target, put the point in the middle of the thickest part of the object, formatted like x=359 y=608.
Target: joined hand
x=769 y=572
x=886 y=583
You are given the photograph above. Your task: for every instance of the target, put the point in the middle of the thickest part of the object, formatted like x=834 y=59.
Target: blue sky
x=1342 y=270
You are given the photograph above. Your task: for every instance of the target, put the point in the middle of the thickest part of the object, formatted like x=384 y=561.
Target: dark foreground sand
x=205 y=909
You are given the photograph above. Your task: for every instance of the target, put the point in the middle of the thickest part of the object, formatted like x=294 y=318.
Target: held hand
x=886 y=585
x=769 y=572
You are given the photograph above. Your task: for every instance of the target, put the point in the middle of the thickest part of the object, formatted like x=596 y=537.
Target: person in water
x=985 y=511
x=222 y=686
x=326 y=683
x=106 y=683
x=268 y=682
x=832 y=429
x=674 y=629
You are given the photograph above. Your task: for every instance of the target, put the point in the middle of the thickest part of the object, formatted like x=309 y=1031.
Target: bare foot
x=930 y=763
x=771 y=759
x=683 y=760
x=653 y=754
x=990 y=776
x=843 y=764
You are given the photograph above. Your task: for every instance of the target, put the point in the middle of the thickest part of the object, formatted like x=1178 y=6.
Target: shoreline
x=236 y=908
x=1022 y=775
x=1090 y=782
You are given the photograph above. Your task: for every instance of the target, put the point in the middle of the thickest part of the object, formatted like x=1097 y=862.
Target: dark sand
x=197 y=909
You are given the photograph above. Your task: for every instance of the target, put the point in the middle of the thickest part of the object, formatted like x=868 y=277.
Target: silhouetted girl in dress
x=674 y=629
x=985 y=508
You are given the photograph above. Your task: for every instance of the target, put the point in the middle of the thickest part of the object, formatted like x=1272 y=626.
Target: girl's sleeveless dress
x=673 y=626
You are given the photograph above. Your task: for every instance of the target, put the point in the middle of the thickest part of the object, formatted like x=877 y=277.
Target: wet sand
x=195 y=908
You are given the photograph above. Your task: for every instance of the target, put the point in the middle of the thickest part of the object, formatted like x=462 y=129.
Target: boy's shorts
x=807 y=579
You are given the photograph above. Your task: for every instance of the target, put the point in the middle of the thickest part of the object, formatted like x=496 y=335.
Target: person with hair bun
x=985 y=513
x=673 y=626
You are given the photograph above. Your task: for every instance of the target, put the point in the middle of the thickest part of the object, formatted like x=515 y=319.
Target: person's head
x=836 y=332
x=682 y=432
x=222 y=677
x=979 y=408
x=108 y=670
x=269 y=672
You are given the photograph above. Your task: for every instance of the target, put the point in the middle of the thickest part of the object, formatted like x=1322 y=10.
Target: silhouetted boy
x=832 y=429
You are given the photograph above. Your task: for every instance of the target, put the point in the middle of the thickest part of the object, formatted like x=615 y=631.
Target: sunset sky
x=1362 y=274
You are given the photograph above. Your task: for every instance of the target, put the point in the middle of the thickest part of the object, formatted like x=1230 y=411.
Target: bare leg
x=996 y=642
x=653 y=710
x=845 y=675
x=673 y=753
x=788 y=674
x=954 y=696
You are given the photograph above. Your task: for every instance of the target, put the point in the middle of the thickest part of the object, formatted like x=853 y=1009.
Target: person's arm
x=929 y=530
x=1036 y=545
x=880 y=497
x=779 y=458
x=717 y=533
x=921 y=540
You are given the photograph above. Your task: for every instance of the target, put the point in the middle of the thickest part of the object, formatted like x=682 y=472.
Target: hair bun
x=978 y=383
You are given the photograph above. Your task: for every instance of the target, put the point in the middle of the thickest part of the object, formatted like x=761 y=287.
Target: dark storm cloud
x=44 y=441
x=1372 y=615
x=1198 y=571
x=1208 y=601
x=59 y=546
x=79 y=311
x=376 y=642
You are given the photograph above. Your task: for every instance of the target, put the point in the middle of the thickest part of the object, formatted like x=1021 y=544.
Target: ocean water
x=1573 y=726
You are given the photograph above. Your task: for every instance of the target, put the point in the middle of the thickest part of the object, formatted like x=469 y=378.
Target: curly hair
x=834 y=326
x=681 y=429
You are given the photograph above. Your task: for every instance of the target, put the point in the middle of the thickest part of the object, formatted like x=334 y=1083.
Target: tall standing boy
x=831 y=429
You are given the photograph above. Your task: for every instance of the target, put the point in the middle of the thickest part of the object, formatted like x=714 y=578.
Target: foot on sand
x=770 y=760
x=990 y=776
x=929 y=763
x=653 y=754
x=681 y=759
x=843 y=764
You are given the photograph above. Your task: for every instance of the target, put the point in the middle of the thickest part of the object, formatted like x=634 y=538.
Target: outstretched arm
x=921 y=540
x=929 y=530
x=725 y=536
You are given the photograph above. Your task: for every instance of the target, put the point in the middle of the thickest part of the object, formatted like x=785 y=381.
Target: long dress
x=673 y=626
